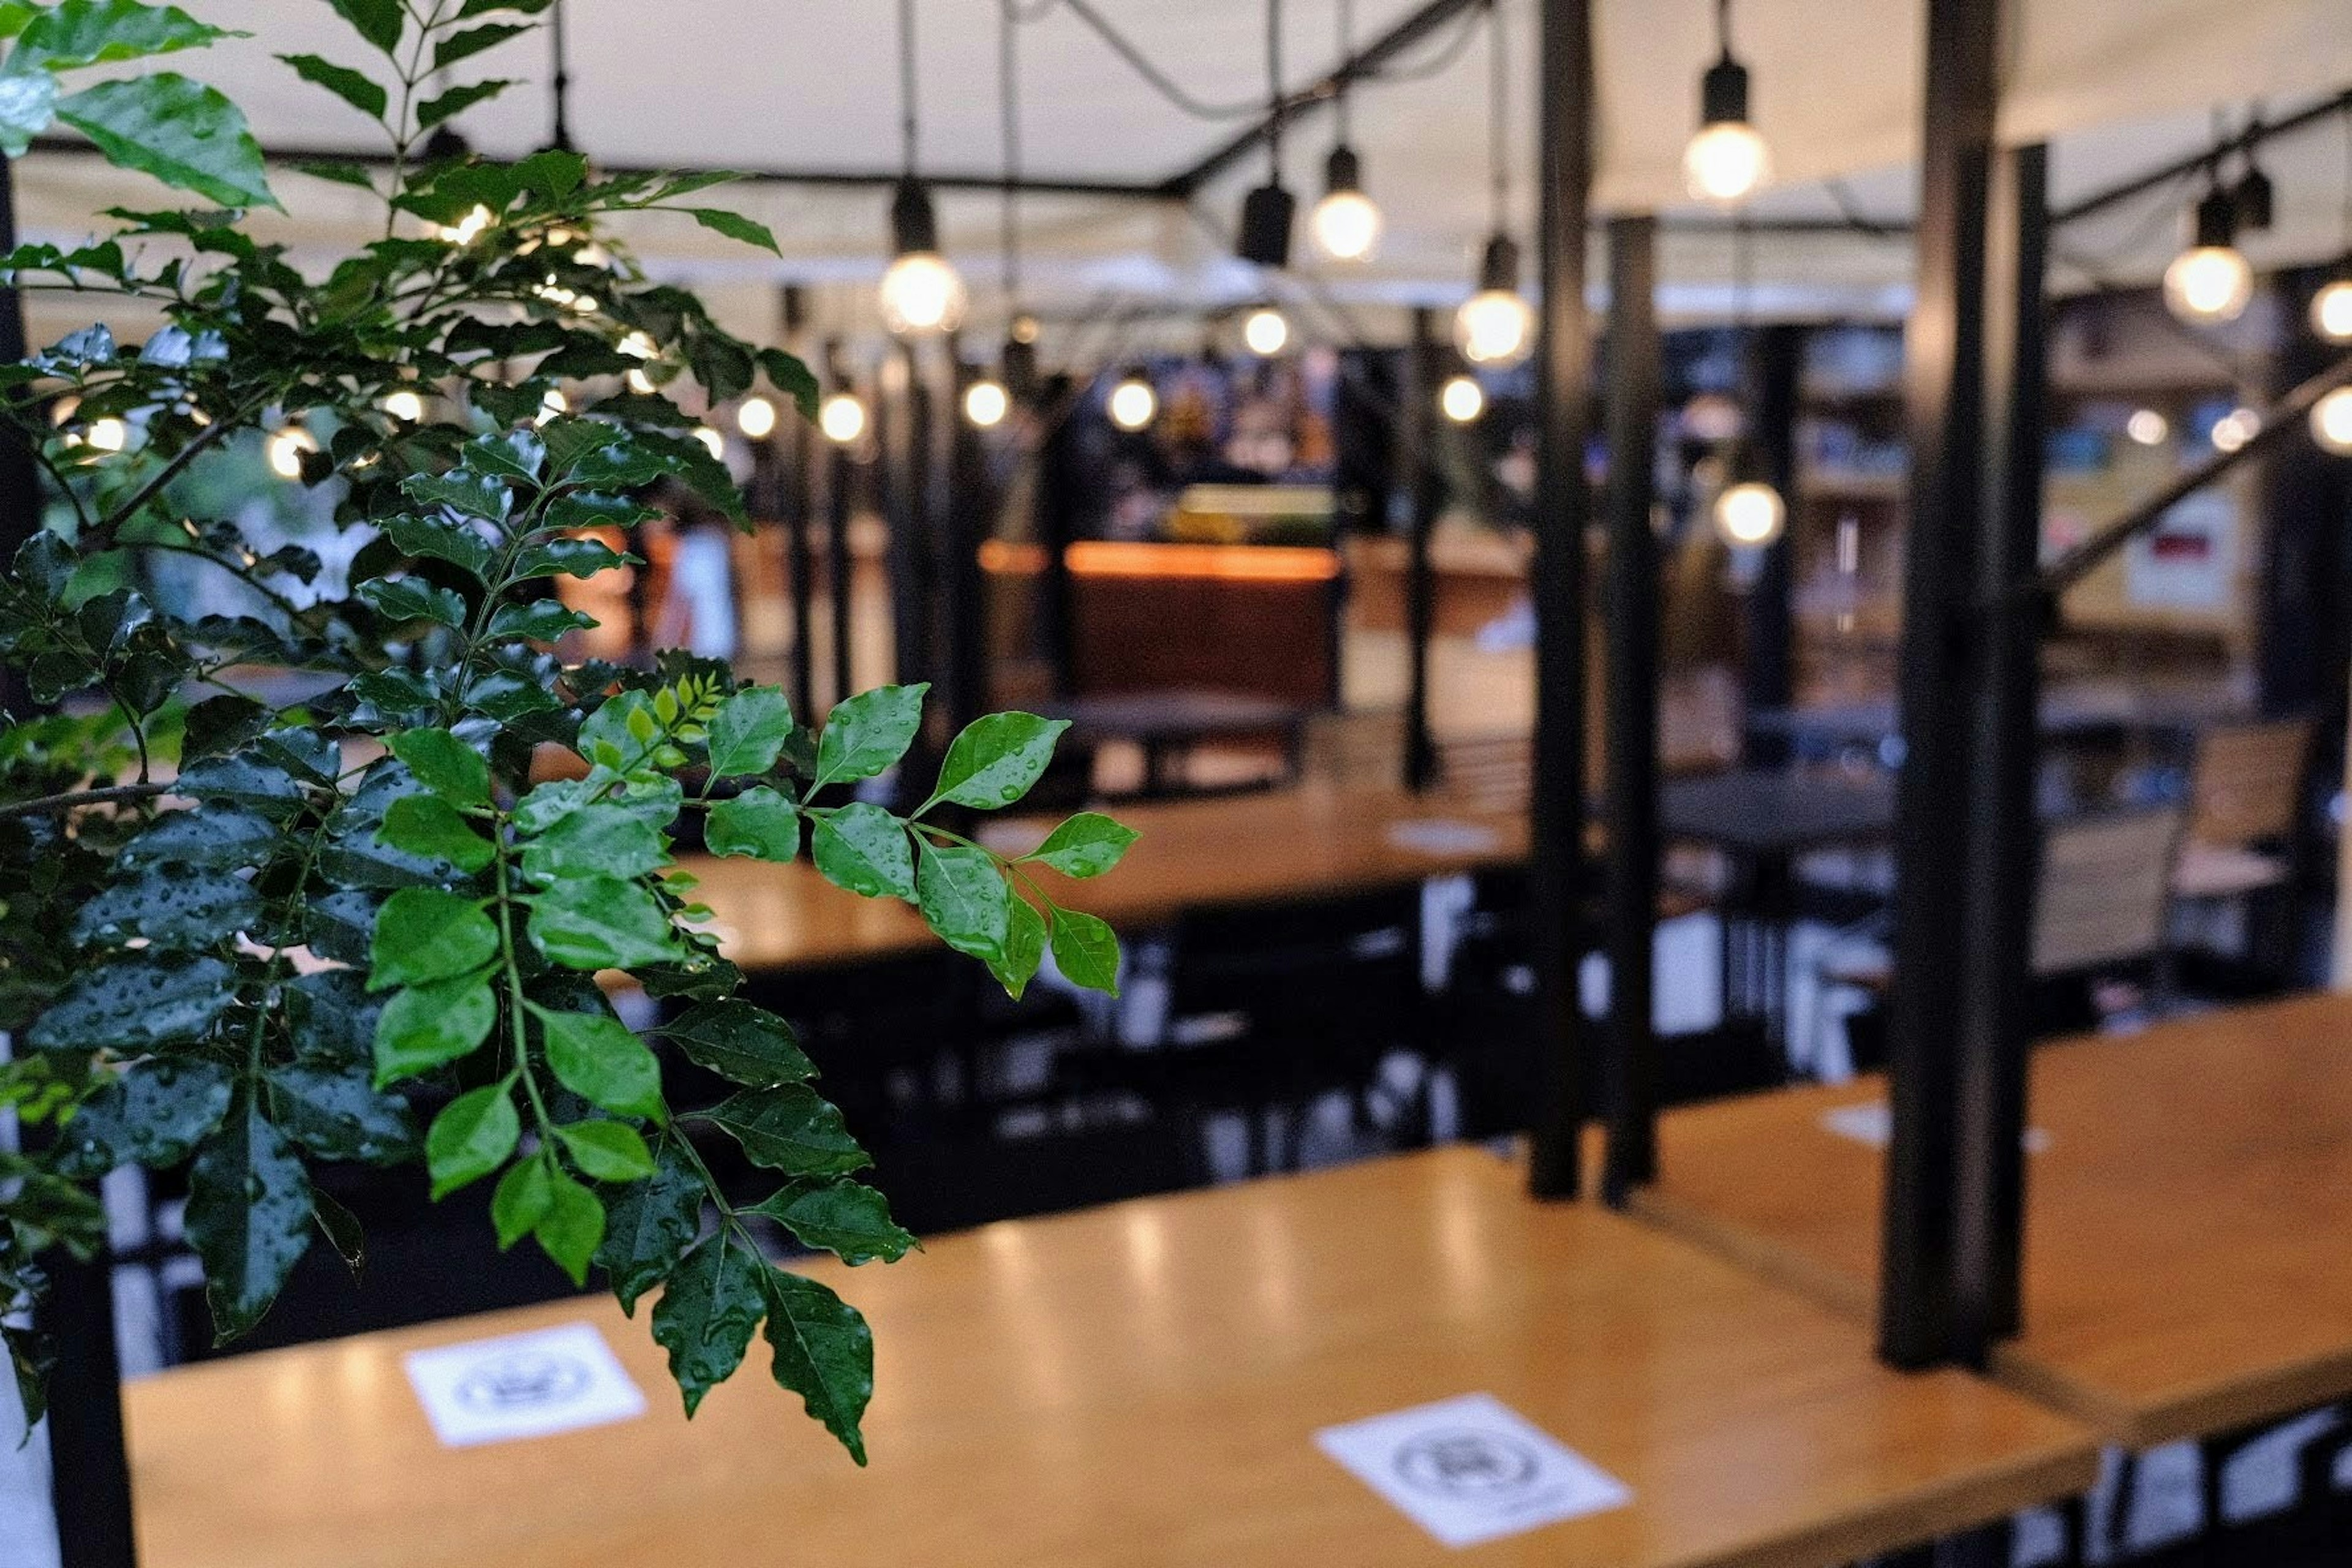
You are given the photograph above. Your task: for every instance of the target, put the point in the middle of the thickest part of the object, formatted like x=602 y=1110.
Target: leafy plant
x=353 y=926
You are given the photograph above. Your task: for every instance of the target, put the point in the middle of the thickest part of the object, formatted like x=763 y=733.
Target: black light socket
x=1020 y=367
x=1268 y=214
x=914 y=225
x=1499 y=269
x=1723 y=93
x=2255 y=200
x=1343 y=171
x=2216 y=220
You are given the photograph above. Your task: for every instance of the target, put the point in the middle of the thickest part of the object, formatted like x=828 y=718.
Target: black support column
x=1060 y=497
x=840 y=571
x=1631 y=683
x=1563 y=397
x=969 y=510
x=1776 y=370
x=1424 y=486
x=799 y=498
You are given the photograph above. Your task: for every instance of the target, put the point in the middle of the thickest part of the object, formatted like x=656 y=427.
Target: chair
x=2246 y=789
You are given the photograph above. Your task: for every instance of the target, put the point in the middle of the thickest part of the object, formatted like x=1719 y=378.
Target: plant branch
x=74 y=800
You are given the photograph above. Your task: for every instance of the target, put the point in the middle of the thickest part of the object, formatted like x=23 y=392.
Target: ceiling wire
x=906 y=120
x=1498 y=138
x=1009 y=122
x=1278 y=107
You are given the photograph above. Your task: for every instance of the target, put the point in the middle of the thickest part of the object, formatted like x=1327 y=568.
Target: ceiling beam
x=2251 y=137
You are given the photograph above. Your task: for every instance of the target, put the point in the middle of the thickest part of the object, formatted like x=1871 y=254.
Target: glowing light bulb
x=1462 y=398
x=108 y=435
x=1725 y=162
x=467 y=229
x=986 y=402
x=1266 y=332
x=756 y=418
x=2209 y=283
x=842 y=418
x=2331 y=421
x=921 y=294
x=1494 y=326
x=552 y=405
x=287 y=449
x=1133 y=404
x=2234 y=429
x=2331 y=312
x=2148 y=427
x=1750 y=513
x=1346 y=226
x=712 y=441
x=403 y=405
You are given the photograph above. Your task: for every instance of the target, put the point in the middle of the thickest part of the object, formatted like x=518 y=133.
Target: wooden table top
x=1140 y=1385
x=2189 y=1226
x=1291 y=843
x=1183 y=714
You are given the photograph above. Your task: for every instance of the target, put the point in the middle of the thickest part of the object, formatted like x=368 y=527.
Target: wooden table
x=1169 y=724
x=1140 y=1385
x=2189 y=1226
x=1293 y=843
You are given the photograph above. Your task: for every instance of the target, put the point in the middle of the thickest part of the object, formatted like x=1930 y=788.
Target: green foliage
x=354 y=932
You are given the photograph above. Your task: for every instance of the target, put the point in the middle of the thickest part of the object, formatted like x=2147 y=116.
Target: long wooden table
x=2188 y=1225
x=1292 y=843
x=1140 y=1385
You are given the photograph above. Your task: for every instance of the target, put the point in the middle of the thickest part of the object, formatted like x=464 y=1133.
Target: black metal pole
x=1563 y=397
x=1778 y=369
x=1998 y=930
x=1944 y=405
x=1059 y=496
x=840 y=481
x=1425 y=486
x=1631 y=680
x=964 y=618
x=799 y=501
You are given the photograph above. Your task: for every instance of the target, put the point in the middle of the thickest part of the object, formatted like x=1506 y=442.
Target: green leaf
x=341 y=1228
x=758 y=823
x=28 y=104
x=377 y=21
x=464 y=492
x=368 y=97
x=607 y=1150
x=566 y=557
x=424 y=934
x=458 y=100
x=331 y=1017
x=136 y=1003
x=473 y=1136
x=541 y=620
x=862 y=850
x=339 y=173
x=180 y=907
x=964 y=899
x=551 y=171
x=597 y=1057
x=76 y=33
x=509 y=454
x=824 y=1353
x=739 y=1041
x=601 y=922
x=735 y=226
x=1025 y=948
x=996 y=759
x=840 y=1216
x=573 y=1227
x=424 y=1026
x=605 y=839
x=522 y=1199
x=455 y=47
x=1086 y=845
x=180 y=132
x=152 y=1115
x=429 y=826
x=432 y=538
x=868 y=732
x=244 y=780
x=446 y=765
x=248 y=1216
x=706 y=1317
x=748 y=731
x=1085 y=949
x=337 y=1115
x=216 y=837
x=648 y=1224
x=790 y=1128
x=405 y=599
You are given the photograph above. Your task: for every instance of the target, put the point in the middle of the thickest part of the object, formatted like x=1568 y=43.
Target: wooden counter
x=1293 y=843
x=2189 y=1225
x=1140 y=1385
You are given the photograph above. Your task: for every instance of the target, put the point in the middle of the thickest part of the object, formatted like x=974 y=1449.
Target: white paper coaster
x=522 y=1385
x=1472 y=1469
x=1442 y=836
x=1873 y=1122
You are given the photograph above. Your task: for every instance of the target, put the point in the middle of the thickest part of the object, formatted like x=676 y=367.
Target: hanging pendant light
x=842 y=417
x=1461 y=399
x=1269 y=212
x=921 y=294
x=1346 y=223
x=2331 y=308
x=1266 y=332
x=986 y=402
x=2210 y=282
x=2331 y=422
x=1495 y=328
x=1132 y=404
x=1748 y=512
x=1727 y=159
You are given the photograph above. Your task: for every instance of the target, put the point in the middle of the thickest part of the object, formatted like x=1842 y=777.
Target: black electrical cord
x=562 y=81
x=1278 y=107
x=907 y=121
x=1723 y=28
x=1346 y=120
x=1008 y=120
x=1499 y=136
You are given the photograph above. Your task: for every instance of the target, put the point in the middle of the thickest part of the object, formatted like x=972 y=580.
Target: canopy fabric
x=2118 y=86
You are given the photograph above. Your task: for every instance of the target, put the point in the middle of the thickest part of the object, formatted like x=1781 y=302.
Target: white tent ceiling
x=2119 y=85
